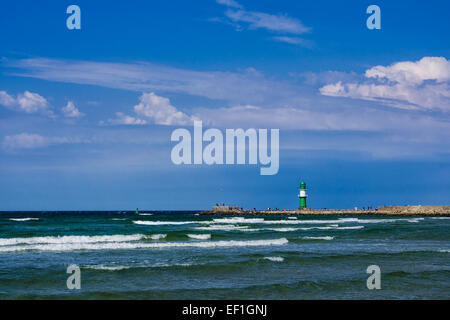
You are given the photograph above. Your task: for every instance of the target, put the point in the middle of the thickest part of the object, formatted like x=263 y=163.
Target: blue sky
x=363 y=114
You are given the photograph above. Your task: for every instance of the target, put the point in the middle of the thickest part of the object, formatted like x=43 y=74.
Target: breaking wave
x=161 y=223
x=199 y=236
x=226 y=227
x=71 y=246
x=318 y=238
x=103 y=267
x=69 y=239
x=241 y=220
x=289 y=221
x=24 y=219
x=107 y=268
x=333 y=227
x=275 y=259
x=283 y=229
x=238 y=220
x=157 y=236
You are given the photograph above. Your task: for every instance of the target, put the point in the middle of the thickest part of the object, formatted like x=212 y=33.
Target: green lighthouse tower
x=302 y=195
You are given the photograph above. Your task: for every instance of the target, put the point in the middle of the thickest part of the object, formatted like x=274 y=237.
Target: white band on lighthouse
x=303 y=193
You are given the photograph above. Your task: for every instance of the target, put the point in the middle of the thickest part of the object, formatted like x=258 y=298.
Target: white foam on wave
x=440 y=218
x=145 y=214
x=332 y=227
x=289 y=221
x=61 y=240
x=118 y=219
x=349 y=228
x=107 y=268
x=335 y=221
x=318 y=238
x=238 y=220
x=143 y=245
x=412 y=220
x=161 y=223
x=444 y=251
x=122 y=267
x=275 y=259
x=226 y=227
x=23 y=219
x=283 y=229
x=199 y=236
x=157 y=236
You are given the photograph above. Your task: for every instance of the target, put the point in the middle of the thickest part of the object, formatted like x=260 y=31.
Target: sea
x=184 y=255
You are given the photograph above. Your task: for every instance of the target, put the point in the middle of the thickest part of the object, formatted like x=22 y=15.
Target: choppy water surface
x=182 y=255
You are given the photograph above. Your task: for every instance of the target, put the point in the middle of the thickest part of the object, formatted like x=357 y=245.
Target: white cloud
x=6 y=100
x=70 y=111
x=24 y=141
x=246 y=86
x=229 y=3
x=424 y=84
x=427 y=68
x=261 y=20
x=127 y=120
x=239 y=18
x=160 y=111
x=34 y=141
x=27 y=102
x=154 y=109
x=294 y=40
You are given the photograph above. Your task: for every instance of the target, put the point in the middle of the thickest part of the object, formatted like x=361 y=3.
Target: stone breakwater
x=380 y=211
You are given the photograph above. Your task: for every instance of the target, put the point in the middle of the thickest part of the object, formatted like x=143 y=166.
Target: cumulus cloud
x=6 y=100
x=154 y=109
x=70 y=111
x=27 y=102
x=423 y=84
x=34 y=141
x=160 y=111
x=428 y=68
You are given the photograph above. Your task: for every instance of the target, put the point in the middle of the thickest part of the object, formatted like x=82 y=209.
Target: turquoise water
x=182 y=255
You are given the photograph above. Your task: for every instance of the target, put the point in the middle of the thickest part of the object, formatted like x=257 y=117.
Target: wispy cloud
x=123 y=119
x=261 y=20
x=422 y=84
x=240 y=18
x=250 y=99
x=248 y=86
x=34 y=141
x=229 y=3
x=295 y=40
